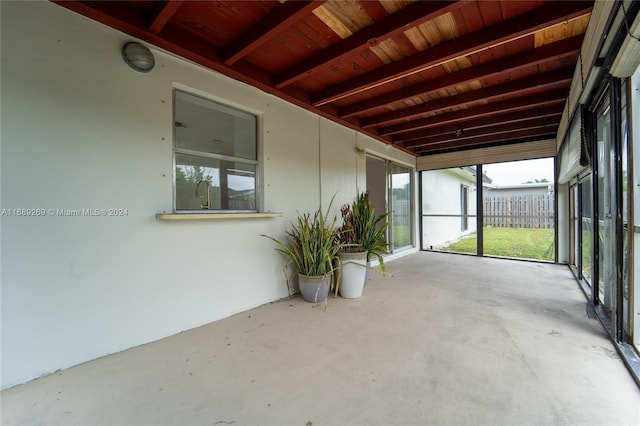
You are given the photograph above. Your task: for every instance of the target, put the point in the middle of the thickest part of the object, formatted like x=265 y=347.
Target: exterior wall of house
x=509 y=191
x=81 y=130
x=441 y=198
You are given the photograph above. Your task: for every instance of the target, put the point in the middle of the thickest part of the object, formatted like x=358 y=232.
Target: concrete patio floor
x=447 y=340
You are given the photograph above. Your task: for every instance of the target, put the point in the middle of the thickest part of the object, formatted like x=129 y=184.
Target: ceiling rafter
x=546 y=99
x=559 y=51
x=129 y=20
x=496 y=129
x=374 y=9
x=412 y=15
x=548 y=132
x=492 y=36
x=279 y=19
x=164 y=15
x=561 y=76
x=284 y=54
x=482 y=122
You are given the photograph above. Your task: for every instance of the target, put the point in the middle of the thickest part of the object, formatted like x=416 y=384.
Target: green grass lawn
x=510 y=242
x=401 y=236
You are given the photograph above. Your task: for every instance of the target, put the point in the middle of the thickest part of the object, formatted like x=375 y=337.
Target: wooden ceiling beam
x=555 y=78
x=276 y=21
x=565 y=50
x=511 y=29
x=551 y=99
x=374 y=9
x=164 y=15
x=510 y=137
x=130 y=20
x=118 y=15
x=154 y=25
x=483 y=122
x=496 y=129
x=412 y=15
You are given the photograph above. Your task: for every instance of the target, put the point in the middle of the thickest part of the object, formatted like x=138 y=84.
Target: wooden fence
x=519 y=211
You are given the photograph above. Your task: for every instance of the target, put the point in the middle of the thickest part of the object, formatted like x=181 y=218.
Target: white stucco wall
x=441 y=196
x=82 y=130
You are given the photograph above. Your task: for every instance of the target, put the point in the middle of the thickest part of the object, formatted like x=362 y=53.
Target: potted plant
x=371 y=229
x=353 y=257
x=312 y=244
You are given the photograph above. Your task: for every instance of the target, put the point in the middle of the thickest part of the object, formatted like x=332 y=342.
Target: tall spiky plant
x=348 y=231
x=312 y=244
x=369 y=229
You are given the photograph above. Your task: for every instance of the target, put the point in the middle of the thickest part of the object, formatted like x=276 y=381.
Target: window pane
x=587 y=229
x=627 y=318
x=207 y=126
x=401 y=203
x=572 y=226
x=210 y=183
x=606 y=197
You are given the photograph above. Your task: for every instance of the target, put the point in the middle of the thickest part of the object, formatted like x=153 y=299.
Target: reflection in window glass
x=573 y=226
x=587 y=229
x=401 y=203
x=214 y=184
x=208 y=126
x=626 y=216
x=606 y=204
x=215 y=156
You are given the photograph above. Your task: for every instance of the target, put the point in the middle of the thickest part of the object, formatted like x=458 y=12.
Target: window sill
x=214 y=216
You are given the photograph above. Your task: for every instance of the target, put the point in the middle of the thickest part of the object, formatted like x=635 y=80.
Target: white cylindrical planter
x=314 y=289
x=353 y=274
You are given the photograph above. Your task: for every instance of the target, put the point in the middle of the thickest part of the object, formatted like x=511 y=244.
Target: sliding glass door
x=606 y=207
x=611 y=284
x=626 y=185
x=390 y=187
x=400 y=188
x=586 y=254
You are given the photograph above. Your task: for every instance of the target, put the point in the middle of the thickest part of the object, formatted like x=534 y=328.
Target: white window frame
x=228 y=107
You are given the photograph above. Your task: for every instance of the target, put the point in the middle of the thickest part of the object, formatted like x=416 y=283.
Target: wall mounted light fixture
x=138 y=57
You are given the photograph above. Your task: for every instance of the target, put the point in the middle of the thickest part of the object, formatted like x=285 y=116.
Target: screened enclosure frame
x=480 y=215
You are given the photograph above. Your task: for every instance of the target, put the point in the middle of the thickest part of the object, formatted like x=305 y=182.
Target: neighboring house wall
x=82 y=130
x=518 y=190
x=441 y=199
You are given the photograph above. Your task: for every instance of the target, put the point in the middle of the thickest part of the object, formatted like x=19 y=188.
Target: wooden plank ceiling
x=424 y=76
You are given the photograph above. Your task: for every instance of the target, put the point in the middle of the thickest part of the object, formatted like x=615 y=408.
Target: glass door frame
x=606 y=190
x=392 y=209
x=388 y=205
x=610 y=92
x=585 y=182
